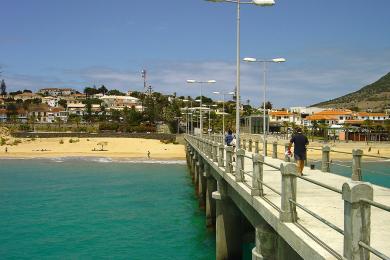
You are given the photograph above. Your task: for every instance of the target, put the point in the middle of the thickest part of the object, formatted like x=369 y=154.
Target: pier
x=248 y=197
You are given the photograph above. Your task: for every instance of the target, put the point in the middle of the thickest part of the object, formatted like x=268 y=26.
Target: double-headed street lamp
x=209 y=106
x=276 y=60
x=192 y=81
x=223 y=107
x=238 y=2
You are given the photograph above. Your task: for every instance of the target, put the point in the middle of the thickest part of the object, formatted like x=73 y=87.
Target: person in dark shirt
x=229 y=138
x=300 y=142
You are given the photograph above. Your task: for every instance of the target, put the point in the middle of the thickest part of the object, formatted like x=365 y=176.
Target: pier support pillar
x=196 y=173
x=228 y=229
x=211 y=184
x=256 y=146
x=202 y=183
x=266 y=243
x=275 y=150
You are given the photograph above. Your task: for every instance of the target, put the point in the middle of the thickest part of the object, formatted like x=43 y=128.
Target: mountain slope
x=375 y=96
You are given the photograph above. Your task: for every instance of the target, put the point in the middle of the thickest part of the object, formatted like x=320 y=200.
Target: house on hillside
x=26 y=96
x=76 y=109
x=120 y=102
x=279 y=117
x=55 y=92
x=329 y=117
x=3 y=115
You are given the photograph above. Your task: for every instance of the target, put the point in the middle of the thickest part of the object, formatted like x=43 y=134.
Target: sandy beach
x=80 y=147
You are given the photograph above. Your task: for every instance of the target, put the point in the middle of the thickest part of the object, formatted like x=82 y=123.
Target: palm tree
x=314 y=127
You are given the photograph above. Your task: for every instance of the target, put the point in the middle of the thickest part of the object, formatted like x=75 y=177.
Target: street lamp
x=239 y=2
x=223 y=108
x=276 y=60
x=185 y=101
x=192 y=81
x=209 y=106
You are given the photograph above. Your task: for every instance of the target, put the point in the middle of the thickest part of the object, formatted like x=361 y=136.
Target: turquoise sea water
x=78 y=209
x=375 y=172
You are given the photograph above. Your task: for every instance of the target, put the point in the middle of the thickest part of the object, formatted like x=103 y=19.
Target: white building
x=120 y=102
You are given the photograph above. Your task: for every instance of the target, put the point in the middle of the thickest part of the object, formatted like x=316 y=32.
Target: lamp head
x=263 y=2
x=216 y=1
x=232 y=93
x=279 y=60
x=211 y=81
x=249 y=59
x=216 y=92
x=191 y=81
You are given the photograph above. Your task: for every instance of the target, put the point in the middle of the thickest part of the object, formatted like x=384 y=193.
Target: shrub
x=73 y=140
x=16 y=142
x=3 y=141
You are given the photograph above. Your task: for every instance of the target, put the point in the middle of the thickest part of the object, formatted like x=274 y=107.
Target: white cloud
x=296 y=82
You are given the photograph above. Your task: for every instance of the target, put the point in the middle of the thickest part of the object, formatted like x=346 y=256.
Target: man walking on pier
x=300 y=142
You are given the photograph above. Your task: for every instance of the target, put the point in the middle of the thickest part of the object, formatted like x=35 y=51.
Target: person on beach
x=6 y=149
x=300 y=142
x=148 y=154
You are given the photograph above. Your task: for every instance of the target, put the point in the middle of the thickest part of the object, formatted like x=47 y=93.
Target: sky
x=332 y=47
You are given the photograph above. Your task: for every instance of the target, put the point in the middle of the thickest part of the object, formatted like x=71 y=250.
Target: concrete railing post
x=221 y=155
x=325 y=164
x=240 y=165
x=288 y=211
x=275 y=150
x=257 y=186
x=244 y=144
x=229 y=159
x=357 y=165
x=265 y=144
x=215 y=152
x=286 y=157
x=256 y=146
x=250 y=145
x=357 y=219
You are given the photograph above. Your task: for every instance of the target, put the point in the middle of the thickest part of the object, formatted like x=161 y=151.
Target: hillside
x=375 y=96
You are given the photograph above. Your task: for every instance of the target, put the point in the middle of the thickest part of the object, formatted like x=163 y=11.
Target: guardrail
x=357 y=196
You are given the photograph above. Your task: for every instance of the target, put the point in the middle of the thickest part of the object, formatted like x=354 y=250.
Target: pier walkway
x=317 y=216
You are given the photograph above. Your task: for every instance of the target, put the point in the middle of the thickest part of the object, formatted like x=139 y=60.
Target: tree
x=346 y=127
x=115 y=92
x=268 y=105
x=63 y=103
x=3 y=88
x=88 y=91
x=103 y=90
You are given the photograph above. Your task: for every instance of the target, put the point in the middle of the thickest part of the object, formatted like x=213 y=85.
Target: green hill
x=375 y=97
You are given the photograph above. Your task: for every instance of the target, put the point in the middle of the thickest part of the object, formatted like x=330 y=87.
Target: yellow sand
x=115 y=148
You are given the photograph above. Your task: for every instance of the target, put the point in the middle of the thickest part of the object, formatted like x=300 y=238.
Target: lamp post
x=185 y=101
x=239 y=2
x=223 y=108
x=276 y=60
x=192 y=81
x=209 y=106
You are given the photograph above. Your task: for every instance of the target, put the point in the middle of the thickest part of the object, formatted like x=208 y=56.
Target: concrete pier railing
x=243 y=199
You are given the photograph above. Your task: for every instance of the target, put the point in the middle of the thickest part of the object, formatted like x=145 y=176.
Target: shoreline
x=113 y=148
